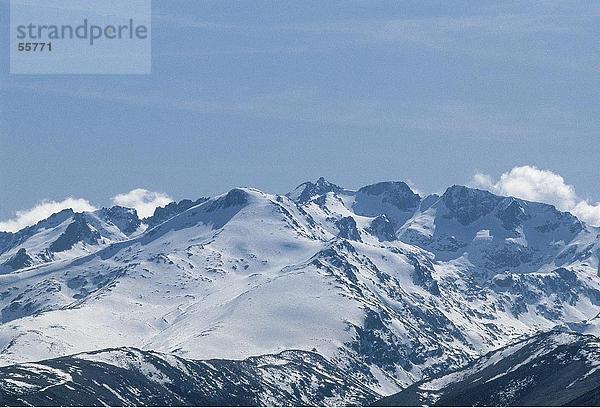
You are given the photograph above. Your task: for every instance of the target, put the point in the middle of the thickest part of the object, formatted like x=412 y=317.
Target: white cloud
x=533 y=184
x=587 y=212
x=482 y=180
x=142 y=200
x=43 y=210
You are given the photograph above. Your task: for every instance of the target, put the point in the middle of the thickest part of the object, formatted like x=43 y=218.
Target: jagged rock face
x=19 y=260
x=235 y=198
x=347 y=229
x=248 y=273
x=125 y=219
x=382 y=228
x=512 y=213
x=550 y=369
x=77 y=231
x=423 y=274
x=467 y=205
x=162 y=214
x=5 y=239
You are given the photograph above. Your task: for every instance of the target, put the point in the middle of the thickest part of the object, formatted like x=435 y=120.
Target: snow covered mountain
x=381 y=283
x=66 y=235
x=549 y=369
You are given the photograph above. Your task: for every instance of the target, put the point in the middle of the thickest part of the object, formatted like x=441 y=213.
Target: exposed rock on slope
x=131 y=377
x=549 y=369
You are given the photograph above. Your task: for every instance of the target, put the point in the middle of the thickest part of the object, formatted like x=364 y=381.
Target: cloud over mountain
x=144 y=201
x=43 y=210
x=533 y=184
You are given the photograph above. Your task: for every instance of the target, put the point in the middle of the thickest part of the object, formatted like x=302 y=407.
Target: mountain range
x=321 y=296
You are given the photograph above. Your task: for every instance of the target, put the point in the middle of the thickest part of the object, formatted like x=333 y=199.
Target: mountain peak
x=236 y=197
x=56 y=218
x=125 y=219
x=383 y=186
x=20 y=260
x=397 y=193
x=161 y=214
x=458 y=189
x=77 y=231
x=323 y=183
x=468 y=204
x=395 y=199
x=307 y=190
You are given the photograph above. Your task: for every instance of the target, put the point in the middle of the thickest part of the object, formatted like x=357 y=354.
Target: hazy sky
x=271 y=93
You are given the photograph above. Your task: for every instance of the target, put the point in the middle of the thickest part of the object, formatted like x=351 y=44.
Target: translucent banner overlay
x=80 y=37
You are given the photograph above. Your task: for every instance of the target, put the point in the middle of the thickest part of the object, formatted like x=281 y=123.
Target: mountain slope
x=549 y=369
x=131 y=377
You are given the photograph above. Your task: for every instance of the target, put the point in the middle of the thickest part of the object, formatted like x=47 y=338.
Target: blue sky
x=272 y=93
